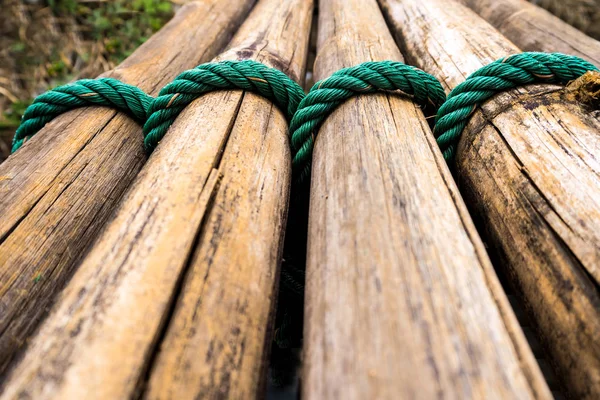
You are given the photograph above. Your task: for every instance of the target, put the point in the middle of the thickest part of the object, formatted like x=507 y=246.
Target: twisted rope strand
x=85 y=92
x=500 y=75
x=368 y=77
x=189 y=85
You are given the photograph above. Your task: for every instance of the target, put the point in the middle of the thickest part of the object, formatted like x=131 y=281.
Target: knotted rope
x=368 y=77
x=82 y=93
x=500 y=75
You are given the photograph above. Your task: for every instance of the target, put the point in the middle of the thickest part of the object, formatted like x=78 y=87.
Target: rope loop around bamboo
x=501 y=75
x=225 y=75
x=305 y=113
x=157 y=114
x=106 y=92
x=368 y=77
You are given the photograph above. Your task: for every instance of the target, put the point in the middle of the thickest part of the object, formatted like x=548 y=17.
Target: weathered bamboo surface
x=583 y=14
x=175 y=298
x=532 y=28
x=401 y=299
x=59 y=189
x=528 y=167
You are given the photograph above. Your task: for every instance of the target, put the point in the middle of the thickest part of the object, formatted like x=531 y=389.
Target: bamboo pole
x=401 y=299
x=527 y=167
x=180 y=287
x=58 y=190
x=532 y=28
x=583 y=14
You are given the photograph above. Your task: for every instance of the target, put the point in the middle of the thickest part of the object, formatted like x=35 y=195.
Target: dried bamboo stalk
x=57 y=191
x=583 y=14
x=401 y=299
x=528 y=167
x=533 y=29
x=180 y=287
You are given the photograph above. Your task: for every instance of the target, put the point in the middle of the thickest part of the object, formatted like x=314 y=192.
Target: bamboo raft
x=124 y=275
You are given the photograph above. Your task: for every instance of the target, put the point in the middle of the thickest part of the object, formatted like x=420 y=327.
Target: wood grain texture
x=220 y=335
x=401 y=299
x=59 y=189
x=532 y=28
x=528 y=167
x=179 y=289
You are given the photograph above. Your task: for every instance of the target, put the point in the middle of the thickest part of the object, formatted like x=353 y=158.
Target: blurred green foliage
x=12 y=116
x=123 y=25
x=106 y=33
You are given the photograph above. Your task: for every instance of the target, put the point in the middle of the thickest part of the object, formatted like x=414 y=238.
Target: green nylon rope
x=82 y=93
x=304 y=113
x=500 y=75
x=189 y=85
x=368 y=77
x=158 y=114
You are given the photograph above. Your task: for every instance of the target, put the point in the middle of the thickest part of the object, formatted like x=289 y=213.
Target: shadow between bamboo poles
x=57 y=191
x=401 y=299
x=527 y=166
x=532 y=28
x=212 y=201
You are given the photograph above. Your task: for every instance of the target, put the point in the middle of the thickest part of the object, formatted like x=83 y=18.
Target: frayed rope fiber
x=82 y=93
x=503 y=74
x=368 y=77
